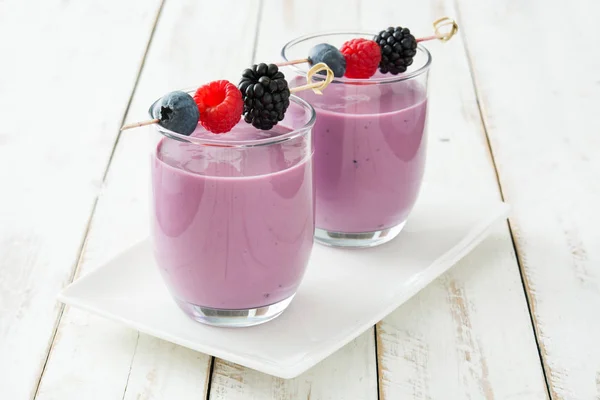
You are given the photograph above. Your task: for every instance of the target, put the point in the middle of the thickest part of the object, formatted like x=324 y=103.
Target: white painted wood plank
x=66 y=75
x=347 y=374
x=351 y=372
x=469 y=334
x=540 y=107
x=163 y=370
x=100 y=359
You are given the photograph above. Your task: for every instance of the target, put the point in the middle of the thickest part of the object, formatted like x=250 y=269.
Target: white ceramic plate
x=343 y=294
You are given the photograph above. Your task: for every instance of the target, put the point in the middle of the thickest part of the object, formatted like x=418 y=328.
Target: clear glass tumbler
x=370 y=141
x=233 y=217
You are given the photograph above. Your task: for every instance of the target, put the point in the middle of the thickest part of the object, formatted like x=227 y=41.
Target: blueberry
x=177 y=112
x=329 y=55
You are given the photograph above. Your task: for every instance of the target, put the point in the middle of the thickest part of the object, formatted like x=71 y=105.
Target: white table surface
x=514 y=113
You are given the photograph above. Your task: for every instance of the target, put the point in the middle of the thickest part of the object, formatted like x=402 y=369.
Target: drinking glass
x=370 y=145
x=232 y=217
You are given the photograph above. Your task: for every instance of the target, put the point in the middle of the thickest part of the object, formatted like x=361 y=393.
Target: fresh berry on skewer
x=262 y=98
x=265 y=94
x=175 y=111
x=330 y=55
x=220 y=104
x=322 y=53
x=398 y=47
x=362 y=58
x=392 y=51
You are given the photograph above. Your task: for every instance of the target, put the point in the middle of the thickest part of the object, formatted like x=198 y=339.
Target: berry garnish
x=177 y=112
x=398 y=47
x=362 y=58
x=329 y=55
x=266 y=95
x=263 y=94
x=220 y=105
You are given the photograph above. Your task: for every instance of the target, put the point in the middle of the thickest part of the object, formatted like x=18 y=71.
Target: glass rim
x=295 y=133
x=362 y=81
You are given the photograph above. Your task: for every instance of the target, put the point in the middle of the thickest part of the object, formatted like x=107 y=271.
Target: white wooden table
x=514 y=113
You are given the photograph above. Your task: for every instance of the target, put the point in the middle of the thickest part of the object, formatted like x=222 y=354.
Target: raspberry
x=362 y=58
x=220 y=104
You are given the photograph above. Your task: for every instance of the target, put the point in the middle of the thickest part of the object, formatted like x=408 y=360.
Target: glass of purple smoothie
x=232 y=217
x=370 y=140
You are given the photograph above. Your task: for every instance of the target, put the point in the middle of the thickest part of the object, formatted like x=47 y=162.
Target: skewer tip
x=138 y=124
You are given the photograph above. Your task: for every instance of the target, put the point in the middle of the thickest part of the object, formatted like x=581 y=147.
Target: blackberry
x=266 y=95
x=398 y=47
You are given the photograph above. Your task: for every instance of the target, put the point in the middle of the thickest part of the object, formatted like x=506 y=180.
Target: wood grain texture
x=350 y=373
x=347 y=374
x=541 y=115
x=163 y=370
x=468 y=335
x=110 y=361
x=66 y=76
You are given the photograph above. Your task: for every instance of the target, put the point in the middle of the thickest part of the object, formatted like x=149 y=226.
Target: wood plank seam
x=51 y=340
x=530 y=306
x=81 y=250
x=209 y=378
x=135 y=85
x=137 y=342
x=378 y=375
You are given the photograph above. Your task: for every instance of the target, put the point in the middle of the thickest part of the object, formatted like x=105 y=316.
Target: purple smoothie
x=369 y=154
x=232 y=228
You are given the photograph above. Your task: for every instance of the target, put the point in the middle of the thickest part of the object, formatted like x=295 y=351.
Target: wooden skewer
x=426 y=38
x=138 y=124
x=437 y=25
x=315 y=86
x=318 y=86
x=300 y=61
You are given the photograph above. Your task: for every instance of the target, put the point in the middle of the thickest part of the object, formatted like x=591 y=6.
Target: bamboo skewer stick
x=437 y=25
x=138 y=124
x=300 y=61
x=317 y=87
x=427 y=38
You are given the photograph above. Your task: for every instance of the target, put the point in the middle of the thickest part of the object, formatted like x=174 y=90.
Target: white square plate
x=344 y=292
